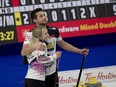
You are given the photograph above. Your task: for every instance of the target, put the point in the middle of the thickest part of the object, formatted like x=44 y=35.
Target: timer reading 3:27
x=6 y=36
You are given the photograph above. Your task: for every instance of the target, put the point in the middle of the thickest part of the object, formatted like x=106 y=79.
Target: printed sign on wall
x=72 y=17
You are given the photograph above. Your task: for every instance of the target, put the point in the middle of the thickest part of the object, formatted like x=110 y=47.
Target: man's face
x=44 y=34
x=41 y=18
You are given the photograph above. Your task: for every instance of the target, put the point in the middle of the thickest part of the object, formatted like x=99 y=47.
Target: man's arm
x=26 y=49
x=69 y=47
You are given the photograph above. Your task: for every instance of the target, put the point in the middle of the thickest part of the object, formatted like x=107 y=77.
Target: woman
x=38 y=59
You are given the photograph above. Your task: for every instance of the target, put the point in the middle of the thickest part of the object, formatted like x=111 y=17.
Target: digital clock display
x=8 y=36
x=5 y=36
x=72 y=17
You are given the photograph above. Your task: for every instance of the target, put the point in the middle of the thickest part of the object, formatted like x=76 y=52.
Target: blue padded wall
x=102 y=53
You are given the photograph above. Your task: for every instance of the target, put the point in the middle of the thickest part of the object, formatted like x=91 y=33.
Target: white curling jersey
x=51 y=48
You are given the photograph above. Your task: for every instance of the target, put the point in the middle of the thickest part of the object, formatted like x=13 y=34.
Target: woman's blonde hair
x=36 y=34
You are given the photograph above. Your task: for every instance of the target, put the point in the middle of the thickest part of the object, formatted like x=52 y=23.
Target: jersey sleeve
x=28 y=38
x=45 y=59
x=53 y=31
x=58 y=37
x=41 y=56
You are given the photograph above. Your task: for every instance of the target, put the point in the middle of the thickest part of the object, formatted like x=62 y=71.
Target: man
x=39 y=18
x=38 y=59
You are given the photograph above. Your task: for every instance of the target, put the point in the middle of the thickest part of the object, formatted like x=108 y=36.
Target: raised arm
x=69 y=47
x=26 y=49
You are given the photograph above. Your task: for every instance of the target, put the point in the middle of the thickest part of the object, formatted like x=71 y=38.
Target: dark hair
x=33 y=13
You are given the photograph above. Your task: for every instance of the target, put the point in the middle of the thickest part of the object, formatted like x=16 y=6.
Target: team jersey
x=50 y=67
x=51 y=48
x=37 y=64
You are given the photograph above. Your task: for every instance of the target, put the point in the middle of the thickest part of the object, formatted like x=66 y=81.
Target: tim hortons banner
x=72 y=17
x=101 y=74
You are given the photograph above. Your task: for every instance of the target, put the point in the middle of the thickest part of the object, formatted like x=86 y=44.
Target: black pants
x=52 y=80
x=34 y=83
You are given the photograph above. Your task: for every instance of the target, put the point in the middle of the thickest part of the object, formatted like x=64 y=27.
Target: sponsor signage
x=72 y=17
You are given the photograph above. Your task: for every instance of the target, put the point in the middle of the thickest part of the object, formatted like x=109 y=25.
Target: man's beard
x=43 y=24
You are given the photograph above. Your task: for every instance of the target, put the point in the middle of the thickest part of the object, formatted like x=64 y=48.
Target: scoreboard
x=72 y=17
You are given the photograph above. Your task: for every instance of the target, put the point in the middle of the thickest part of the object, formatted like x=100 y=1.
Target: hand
x=39 y=46
x=85 y=51
x=42 y=48
x=58 y=54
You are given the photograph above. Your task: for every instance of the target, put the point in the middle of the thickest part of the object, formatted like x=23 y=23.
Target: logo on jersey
x=50 y=46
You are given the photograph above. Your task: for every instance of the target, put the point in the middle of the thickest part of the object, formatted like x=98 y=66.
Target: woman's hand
x=58 y=54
